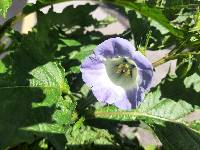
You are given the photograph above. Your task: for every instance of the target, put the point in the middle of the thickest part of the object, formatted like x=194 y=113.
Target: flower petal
x=146 y=76
x=145 y=69
x=93 y=71
x=132 y=99
x=141 y=61
x=115 y=47
x=109 y=93
x=97 y=72
x=94 y=75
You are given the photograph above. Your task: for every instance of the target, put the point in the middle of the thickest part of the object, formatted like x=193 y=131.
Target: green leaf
x=44 y=128
x=184 y=66
x=2 y=67
x=33 y=83
x=4 y=5
x=166 y=117
x=193 y=81
x=83 y=53
x=152 y=12
x=164 y=108
x=174 y=83
x=30 y=106
x=71 y=42
x=148 y=33
x=68 y=17
x=89 y=136
x=153 y=107
x=195 y=125
x=177 y=136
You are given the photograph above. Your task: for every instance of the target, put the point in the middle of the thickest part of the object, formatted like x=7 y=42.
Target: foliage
x=44 y=103
x=4 y=5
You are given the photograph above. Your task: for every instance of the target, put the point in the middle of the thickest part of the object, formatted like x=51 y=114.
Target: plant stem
x=172 y=57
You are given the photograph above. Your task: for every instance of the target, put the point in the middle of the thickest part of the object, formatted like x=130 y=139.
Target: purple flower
x=117 y=73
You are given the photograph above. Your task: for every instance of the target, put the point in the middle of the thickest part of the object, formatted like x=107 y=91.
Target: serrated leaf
x=165 y=116
x=89 y=136
x=153 y=107
x=193 y=80
x=22 y=106
x=164 y=108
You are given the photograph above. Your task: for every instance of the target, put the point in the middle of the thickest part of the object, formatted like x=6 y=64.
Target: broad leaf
x=164 y=116
x=31 y=106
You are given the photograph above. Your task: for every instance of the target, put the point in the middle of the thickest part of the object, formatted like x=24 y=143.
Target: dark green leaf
x=31 y=105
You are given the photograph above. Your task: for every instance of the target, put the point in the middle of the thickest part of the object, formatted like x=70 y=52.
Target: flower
x=117 y=73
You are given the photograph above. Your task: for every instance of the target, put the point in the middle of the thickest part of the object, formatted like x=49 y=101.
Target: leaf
x=153 y=107
x=193 y=81
x=195 y=125
x=164 y=108
x=183 y=66
x=166 y=117
x=36 y=83
x=4 y=5
x=44 y=128
x=83 y=53
x=36 y=99
x=71 y=42
x=152 y=12
x=148 y=33
x=177 y=136
x=2 y=67
x=89 y=136
x=68 y=17
x=31 y=106
x=174 y=83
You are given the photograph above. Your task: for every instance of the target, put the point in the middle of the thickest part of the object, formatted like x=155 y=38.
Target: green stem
x=172 y=57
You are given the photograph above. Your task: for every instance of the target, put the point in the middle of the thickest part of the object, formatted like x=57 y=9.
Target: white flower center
x=122 y=71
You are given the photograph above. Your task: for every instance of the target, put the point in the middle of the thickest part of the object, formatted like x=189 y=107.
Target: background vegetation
x=44 y=103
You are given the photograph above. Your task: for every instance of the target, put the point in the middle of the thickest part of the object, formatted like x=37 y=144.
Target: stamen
x=124 y=69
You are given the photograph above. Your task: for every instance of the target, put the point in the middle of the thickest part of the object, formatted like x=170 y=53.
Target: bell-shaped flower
x=117 y=73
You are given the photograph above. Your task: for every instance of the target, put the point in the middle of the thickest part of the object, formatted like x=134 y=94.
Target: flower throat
x=122 y=71
x=125 y=69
